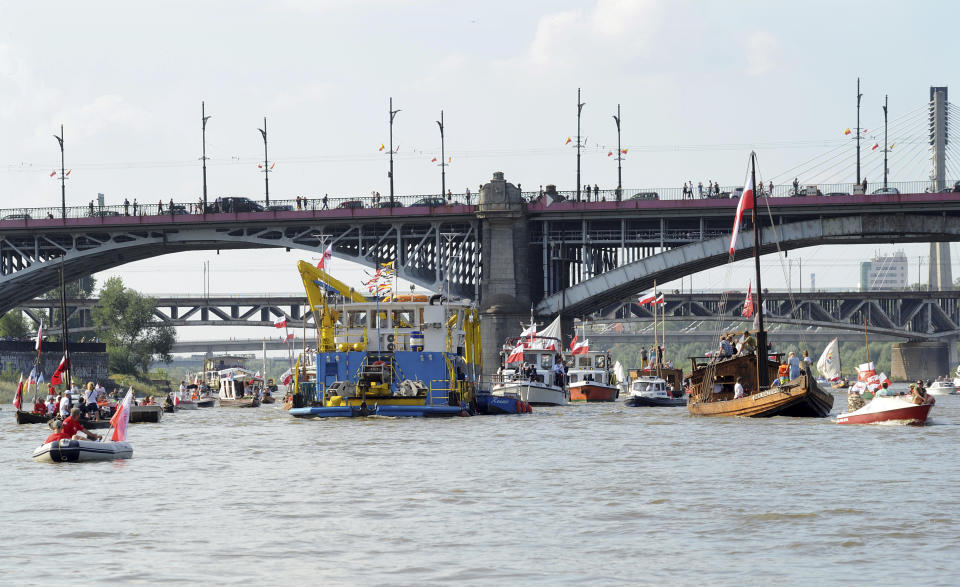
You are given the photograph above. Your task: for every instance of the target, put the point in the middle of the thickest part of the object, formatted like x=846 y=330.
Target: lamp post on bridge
x=393 y=114
x=203 y=131
x=619 y=156
x=63 y=178
x=885 y=143
x=580 y=106
x=443 y=160
x=859 y=95
x=266 y=162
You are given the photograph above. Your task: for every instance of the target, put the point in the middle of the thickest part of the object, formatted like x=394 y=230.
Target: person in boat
x=58 y=433
x=918 y=395
x=794 y=363
x=854 y=400
x=72 y=426
x=738 y=388
x=558 y=372
x=51 y=406
x=92 y=409
x=39 y=407
x=749 y=344
x=783 y=373
x=726 y=347
x=806 y=358
x=168 y=401
x=64 y=404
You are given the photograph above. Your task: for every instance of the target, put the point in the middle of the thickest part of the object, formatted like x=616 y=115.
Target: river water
x=587 y=494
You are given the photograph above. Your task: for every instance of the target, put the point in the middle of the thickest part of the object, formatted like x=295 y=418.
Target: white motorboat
x=652 y=391
x=534 y=393
x=81 y=451
x=527 y=370
x=892 y=409
x=186 y=404
x=942 y=387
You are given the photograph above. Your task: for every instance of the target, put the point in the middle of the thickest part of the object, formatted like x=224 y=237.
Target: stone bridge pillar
x=505 y=270
x=919 y=360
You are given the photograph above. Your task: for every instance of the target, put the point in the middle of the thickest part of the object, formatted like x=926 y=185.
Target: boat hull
x=31 y=418
x=533 y=393
x=186 y=404
x=390 y=410
x=239 y=403
x=492 y=405
x=889 y=410
x=636 y=401
x=209 y=402
x=151 y=414
x=81 y=451
x=586 y=391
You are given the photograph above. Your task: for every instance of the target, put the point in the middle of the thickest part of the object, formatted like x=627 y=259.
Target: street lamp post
x=619 y=156
x=393 y=114
x=885 y=143
x=63 y=178
x=266 y=162
x=859 y=95
x=203 y=130
x=443 y=160
x=580 y=106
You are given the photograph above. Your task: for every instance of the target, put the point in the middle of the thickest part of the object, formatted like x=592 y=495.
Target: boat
x=492 y=405
x=32 y=418
x=590 y=377
x=888 y=409
x=539 y=352
x=239 y=388
x=712 y=382
x=653 y=391
x=80 y=451
x=956 y=378
x=830 y=367
x=385 y=355
x=942 y=387
x=149 y=413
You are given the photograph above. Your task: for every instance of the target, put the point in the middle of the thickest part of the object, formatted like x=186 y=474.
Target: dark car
x=280 y=208
x=17 y=217
x=837 y=194
x=389 y=204
x=104 y=213
x=237 y=204
x=886 y=191
x=178 y=209
x=351 y=204
x=434 y=202
x=646 y=196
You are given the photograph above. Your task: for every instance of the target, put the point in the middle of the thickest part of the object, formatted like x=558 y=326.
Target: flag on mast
x=745 y=203
x=18 y=400
x=748 y=302
x=280 y=322
x=327 y=254
x=120 y=418
x=39 y=336
x=516 y=355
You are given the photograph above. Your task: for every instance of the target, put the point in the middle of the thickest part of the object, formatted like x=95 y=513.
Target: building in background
x=884 y=272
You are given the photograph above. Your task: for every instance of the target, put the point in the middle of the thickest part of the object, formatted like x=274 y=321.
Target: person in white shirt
x=738 y=388
x=91 y=400
x=51 y=406
x=65 y=404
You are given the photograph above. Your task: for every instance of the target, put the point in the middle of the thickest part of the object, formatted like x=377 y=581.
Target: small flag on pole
x=846 y=132
x=53 y=173
x=567 y=142
x=381 y=148
x=280 y=322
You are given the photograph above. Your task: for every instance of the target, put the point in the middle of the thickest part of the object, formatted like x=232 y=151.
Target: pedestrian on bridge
x=771 y=190
x=91 y=207
x=796 y=186
x=126 y=207
x=864 y=185
x=160 y=207
x=467 y=193
x=171 y=206
x=700 y=189
x=596 y=193
x=134 y=206
x=325 y=200
x=685 y=190
x=298 y=203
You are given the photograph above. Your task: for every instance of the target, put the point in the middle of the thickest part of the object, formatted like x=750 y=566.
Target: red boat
x=893 y=409
x=590 y=378
x=592 y=391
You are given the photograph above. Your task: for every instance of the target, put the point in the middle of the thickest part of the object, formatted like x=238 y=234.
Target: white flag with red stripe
x=280 y=322
x=120 y=418
x=647 y=298
x=581 y=347
x=39 y=336
x=748 y=303
x=325 y=259
x=516 y=355
x=745 y=203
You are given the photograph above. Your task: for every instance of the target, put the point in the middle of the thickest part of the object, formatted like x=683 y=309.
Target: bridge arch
x=624 y=281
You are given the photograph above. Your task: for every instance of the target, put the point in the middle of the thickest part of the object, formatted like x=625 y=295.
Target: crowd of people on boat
x=917 y=394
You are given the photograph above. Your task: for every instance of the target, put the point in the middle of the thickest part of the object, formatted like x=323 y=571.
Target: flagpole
x=66 y=330
x=763 y=375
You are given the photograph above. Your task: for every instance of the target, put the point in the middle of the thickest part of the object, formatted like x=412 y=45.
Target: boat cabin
x=652 y=387
x=540 y=354
x=589 y=366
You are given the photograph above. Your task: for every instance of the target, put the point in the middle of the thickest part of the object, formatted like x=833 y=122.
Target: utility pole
x=203 y=131
x=393 y=113
x=886 y=145
x=619 y=157
x=580 y=106
x=443 y=160
x=266 y=162
x=63 y=178
x=859 y=95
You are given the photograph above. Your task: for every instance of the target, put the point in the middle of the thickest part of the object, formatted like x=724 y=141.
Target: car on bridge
x=886 y=191
x=837 y=194
x=17 y=217
x=646 y=196
x=389 y=204
x=103 y=213
x=353 y=204
x=433 y=202
x=236 y=204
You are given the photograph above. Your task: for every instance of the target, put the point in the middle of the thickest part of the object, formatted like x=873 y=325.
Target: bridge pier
x=505 y=287
x=919 y=360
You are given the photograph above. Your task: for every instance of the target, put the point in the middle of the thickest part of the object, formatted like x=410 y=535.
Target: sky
x=699 y=85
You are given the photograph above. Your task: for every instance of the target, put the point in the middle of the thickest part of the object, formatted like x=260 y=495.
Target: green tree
x=124 y=319
x=13 y=324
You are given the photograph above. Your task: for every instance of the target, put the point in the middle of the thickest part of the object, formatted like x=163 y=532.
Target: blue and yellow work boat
x=406 y=355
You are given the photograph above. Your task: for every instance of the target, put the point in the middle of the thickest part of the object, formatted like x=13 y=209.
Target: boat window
x=357 y=319
x=601 y=361
x=583 y=362
x=403 y=318
x=573 y=379
x=546 y=362
x=381 y=319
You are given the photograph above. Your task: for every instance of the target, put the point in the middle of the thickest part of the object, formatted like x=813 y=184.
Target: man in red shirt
x=72 y=426
x=39 y=407
x=57 y=433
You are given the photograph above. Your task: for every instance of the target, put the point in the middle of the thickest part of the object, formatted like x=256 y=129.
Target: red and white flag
x=327 y=254
x=647 y=299
x=580 y=347
x=18 y=399
x=39 y=336
x=57 y=377
x=659 y=300
x=530 y=331
x=289 y=337
x=120 y=418
x=516 y=355
x=280 y=322
x=745 y=203
x=748 y=302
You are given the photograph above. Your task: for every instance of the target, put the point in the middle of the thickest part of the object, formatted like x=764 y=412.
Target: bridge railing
x=173 y=208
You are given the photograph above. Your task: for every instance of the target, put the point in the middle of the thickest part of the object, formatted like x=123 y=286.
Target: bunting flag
x=745 y=203
x=610 y=154
x=875 y=146
x=280 y=322
x=39 y=336
x=567 y=142
x=53 y=173
x=68 y=172
x=120 y=418
x=40 y=379
x=18 y=399
x=891 y=146
x=516 y=355
x=748 y=303
x=434 y=160
x=449 y=159
x=846 y=132
x=325 y=259
x=31 y=378
x=624 y=151
x=57 y=377
x=259 y=166
x=381 y=147
x=272 y=165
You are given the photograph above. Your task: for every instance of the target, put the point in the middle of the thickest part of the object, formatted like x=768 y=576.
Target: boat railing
x=440 y=392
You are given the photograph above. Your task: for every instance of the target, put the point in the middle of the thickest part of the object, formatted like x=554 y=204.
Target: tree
x=124 y=319
x=14 y=325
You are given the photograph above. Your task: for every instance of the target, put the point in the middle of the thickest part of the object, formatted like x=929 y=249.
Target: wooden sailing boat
x=712 y=384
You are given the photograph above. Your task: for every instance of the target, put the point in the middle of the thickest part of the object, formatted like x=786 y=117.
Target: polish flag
x=573 y=342
x=18 y=400
x=748 y=302
x=659 y=300
x=327 y=254
x=529 y=331
x=56 y=378
x=516 y=355
x=289 y=337
x=647 y=299
x=745 y=203
x=581 y=347
x=39 y=336
x=280 y=322
x=624 y=151
x=120 y=418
